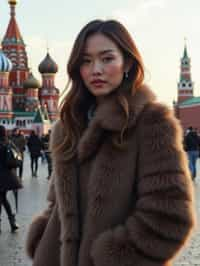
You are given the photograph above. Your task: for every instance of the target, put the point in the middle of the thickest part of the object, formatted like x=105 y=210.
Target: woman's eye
x=107 y=59
x=86 y=61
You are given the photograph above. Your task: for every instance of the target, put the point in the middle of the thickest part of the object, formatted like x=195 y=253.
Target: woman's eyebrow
x=101 y=52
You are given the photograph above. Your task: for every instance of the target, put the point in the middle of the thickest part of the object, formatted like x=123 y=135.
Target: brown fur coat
x=139 y=209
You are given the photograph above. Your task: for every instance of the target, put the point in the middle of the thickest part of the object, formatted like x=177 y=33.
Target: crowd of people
x=37 y=146
x=11 y=169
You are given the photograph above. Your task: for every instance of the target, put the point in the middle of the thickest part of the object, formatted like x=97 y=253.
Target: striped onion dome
x=5 y=63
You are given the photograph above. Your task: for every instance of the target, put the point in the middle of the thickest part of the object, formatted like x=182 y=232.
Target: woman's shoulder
x=146 y=98
x=158 y=119
x=155 y=111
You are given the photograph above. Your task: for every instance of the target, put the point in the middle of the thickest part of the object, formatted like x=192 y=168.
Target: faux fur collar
x=109 y=116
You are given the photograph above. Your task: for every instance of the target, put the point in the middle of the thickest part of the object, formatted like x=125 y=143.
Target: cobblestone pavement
x=32 y=199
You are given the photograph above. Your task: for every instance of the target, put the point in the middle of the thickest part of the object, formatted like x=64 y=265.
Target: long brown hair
x=78 y=99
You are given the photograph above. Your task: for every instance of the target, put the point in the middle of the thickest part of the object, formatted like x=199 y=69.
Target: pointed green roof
x=40 y=117
x=185 y=53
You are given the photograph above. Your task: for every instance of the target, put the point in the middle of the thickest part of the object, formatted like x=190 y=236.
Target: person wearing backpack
x=8 y=178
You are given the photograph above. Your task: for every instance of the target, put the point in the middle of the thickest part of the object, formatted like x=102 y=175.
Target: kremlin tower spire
x=185 y=85
x=14 y=48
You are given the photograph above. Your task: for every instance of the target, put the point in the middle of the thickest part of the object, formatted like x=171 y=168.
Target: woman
x=8 y=179
x=120 y=190
x=35 y=146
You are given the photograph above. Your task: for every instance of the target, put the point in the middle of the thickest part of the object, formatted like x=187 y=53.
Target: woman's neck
x=100 y=100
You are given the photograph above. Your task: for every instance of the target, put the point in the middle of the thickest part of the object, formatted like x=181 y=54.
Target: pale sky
x=157 y=26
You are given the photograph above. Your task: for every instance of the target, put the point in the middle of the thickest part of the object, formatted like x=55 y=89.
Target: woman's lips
x=98 y=83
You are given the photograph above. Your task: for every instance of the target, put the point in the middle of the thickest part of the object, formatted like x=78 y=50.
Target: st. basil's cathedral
x=24 y=103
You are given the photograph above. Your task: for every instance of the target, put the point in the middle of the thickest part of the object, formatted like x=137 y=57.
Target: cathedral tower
x=14 y=47
x=31 y=86
x=49 y=94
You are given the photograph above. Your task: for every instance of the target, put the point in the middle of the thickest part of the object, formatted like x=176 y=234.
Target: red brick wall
x=190 y=116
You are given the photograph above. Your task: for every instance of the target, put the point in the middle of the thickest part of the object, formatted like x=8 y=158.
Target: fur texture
x=35 y=234
x=119 y=228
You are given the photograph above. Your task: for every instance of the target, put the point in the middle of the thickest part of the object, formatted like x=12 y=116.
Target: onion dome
x=5 y=63
x=48 y=66
x=31 y=82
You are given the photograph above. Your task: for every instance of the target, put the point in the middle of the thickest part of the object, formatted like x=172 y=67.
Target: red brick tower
x=14 y=47
x=185 y=85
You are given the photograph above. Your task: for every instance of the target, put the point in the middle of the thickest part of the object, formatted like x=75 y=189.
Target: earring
x=126 y=74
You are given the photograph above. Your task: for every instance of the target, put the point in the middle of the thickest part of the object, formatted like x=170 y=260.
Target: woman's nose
x=97 y=68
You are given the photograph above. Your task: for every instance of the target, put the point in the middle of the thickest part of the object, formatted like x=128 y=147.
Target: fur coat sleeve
x=39 y=223
x=164 y=213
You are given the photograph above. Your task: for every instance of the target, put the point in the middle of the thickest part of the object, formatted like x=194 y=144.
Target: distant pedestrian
x=35 y=147
x=45 y=142
x=19 y=140
x=191 y=144
x=8 y=178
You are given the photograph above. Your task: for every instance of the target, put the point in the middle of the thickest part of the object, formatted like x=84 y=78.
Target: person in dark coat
x=8 y=179
x=19 y=140
x=35 y=147
x=45 y=142
x=192 y=148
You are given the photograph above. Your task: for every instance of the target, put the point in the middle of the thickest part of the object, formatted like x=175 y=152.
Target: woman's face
x=102 y=68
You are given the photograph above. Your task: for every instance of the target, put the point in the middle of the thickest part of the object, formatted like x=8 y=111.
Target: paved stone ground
x=190 y=256
x=32 y=200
